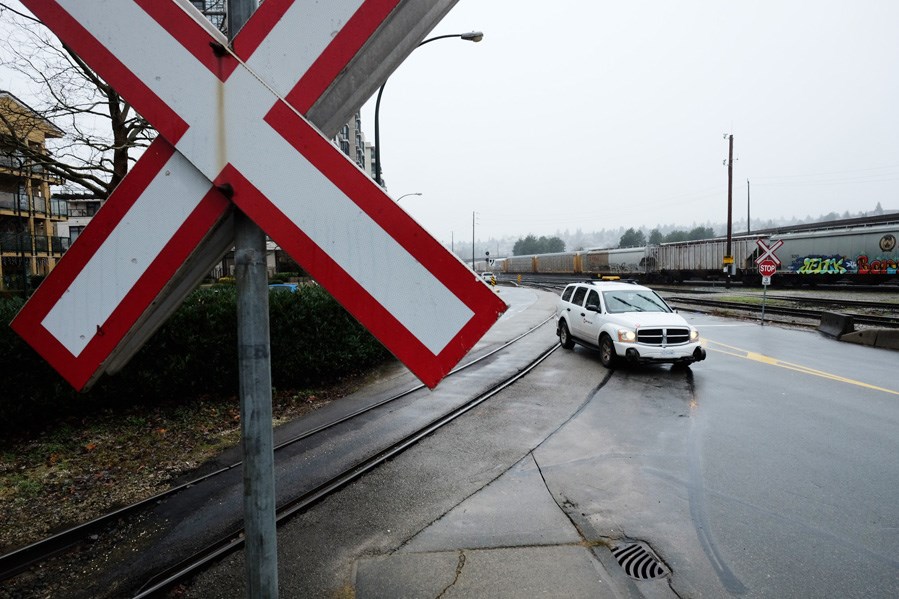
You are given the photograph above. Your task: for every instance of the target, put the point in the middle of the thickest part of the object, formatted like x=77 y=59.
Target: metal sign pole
x=764 y=299
x=254 y=352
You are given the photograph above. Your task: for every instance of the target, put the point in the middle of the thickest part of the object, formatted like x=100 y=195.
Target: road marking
x=757 y=357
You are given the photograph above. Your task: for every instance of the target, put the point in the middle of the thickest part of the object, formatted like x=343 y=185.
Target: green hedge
x=314 y=341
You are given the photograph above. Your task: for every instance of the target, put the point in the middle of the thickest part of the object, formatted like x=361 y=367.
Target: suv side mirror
x=592 y=308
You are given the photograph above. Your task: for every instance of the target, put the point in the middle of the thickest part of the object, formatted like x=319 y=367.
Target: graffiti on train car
x=823 y=265
x=878 y=266
x=840 y=265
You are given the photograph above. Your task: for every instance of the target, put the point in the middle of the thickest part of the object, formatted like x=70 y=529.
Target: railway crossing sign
x=767 y=263
x=234 y=133
x=767 y=252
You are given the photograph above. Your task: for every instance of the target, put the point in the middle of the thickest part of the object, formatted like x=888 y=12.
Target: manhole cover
x=639 y=561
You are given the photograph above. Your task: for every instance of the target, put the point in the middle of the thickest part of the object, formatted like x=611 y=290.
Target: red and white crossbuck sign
x=232 y=130
x=766 y=252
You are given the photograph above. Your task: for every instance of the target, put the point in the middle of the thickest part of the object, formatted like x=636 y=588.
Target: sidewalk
x=464 y=513
x=509 y=540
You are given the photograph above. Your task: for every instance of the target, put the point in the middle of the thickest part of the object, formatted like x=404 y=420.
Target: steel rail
x=21 y=559
x=866 y=319
x=234 y=540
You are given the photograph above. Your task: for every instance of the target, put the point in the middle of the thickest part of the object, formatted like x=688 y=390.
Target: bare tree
x=101 y=129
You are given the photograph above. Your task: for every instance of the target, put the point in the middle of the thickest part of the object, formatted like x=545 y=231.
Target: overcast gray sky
x=594 y=114
x=590 y=114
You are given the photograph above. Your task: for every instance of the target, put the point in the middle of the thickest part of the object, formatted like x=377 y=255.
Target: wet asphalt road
x=768 y=470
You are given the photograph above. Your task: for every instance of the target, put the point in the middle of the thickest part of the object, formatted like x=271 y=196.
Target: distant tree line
x=533 y=245
x=636 y=238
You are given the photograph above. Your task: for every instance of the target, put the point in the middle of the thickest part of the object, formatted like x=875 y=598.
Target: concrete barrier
x=836 y=324
x=885 y=338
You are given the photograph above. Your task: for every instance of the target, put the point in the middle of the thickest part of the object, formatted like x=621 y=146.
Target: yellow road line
x=756 y=357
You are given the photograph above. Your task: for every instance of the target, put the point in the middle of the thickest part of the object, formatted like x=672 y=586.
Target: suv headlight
x=694 y=335
x=626 y=336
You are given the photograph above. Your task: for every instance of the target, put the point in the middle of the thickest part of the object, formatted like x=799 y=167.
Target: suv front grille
x=672 y=336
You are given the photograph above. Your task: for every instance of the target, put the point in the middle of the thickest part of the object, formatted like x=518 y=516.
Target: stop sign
x=767 y=267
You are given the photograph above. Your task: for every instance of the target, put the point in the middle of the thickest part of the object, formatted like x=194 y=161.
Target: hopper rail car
x=860 y=251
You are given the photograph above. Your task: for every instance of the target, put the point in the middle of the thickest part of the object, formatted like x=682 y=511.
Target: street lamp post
x=473 y=36
x=414 y=193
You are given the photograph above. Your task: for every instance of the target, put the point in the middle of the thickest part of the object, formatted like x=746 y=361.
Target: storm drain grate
x=639 y=562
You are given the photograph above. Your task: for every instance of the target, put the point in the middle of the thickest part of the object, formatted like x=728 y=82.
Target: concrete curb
x=885 y=338
x=835 y=324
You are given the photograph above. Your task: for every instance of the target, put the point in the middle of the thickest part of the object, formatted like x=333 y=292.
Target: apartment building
x=29 y=242
x=351 y=141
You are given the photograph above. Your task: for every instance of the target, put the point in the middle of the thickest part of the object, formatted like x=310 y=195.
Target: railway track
x=796 y=312
x=863 y=312
x=234 y=541
x=32 y=555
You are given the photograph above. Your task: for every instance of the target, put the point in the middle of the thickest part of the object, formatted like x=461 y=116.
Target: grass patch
x=83 y=468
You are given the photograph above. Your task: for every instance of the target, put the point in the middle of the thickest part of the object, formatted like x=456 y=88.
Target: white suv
x=625 y=320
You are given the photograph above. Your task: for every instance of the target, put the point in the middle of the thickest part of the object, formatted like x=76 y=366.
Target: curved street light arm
x=471 y=36
x=414 y=193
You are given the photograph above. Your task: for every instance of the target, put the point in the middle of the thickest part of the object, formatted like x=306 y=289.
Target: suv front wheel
x=564 y=336
x=607 y=351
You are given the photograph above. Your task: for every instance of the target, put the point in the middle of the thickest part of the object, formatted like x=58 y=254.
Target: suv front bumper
x=644 y=354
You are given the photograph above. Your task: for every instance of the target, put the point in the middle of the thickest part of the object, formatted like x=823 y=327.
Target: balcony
x=22 y=243
x=59 y=245
x=15 y=243
x=12 y=161
x=18 y=202
x=13 y=201
x=59 y=208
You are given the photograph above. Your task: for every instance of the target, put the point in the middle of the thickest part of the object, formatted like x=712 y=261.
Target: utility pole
x=254 y=367
x=728 y=254
x=748 y=222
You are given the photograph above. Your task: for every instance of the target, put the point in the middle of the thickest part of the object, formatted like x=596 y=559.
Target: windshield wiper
x=636 y=309
x=656 y=304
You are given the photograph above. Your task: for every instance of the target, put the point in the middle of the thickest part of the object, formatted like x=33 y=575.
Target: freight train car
x=860 y=251
x=520 y=264
x=853 y=254
x=623 y=262
x=559 y=263
x=704 y=259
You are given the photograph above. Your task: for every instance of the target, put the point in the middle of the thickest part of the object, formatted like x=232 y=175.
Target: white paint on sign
x=226 y=126
x=113 y=270
x=299 y=37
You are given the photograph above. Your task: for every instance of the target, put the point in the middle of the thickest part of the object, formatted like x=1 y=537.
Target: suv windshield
x=634 y=301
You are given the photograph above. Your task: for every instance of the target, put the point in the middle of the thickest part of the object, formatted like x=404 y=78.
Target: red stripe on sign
x=101 y=225
x=211 y=209
x=191 y=35
x=362 y=190
x=257 y=28
x=73 y=34
x=346 y=290
x=81 y=369
x=345 y=45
